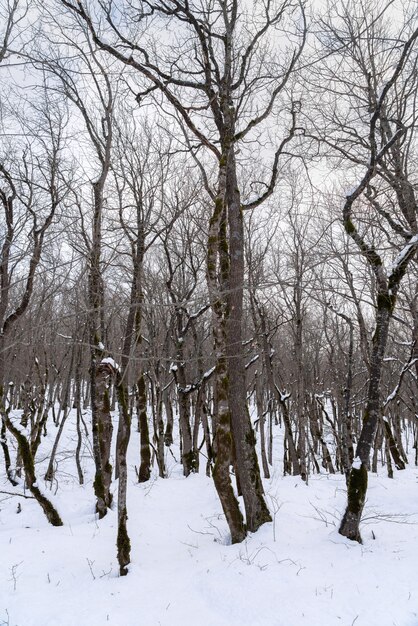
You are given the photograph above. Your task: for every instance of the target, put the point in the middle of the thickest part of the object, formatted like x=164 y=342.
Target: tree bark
x=244 y=439
x=357 y=480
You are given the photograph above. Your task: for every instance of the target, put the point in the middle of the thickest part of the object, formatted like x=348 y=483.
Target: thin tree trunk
x=103 y=379
x=144 y=473
x=123 y=542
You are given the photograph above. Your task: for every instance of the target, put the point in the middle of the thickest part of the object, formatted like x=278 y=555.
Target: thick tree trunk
x=221 y=474
x=217 y=275
x=188 y=458
x=357 y=480
x=244 y=439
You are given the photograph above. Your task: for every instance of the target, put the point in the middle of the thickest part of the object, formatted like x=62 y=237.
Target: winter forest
x=208 y=312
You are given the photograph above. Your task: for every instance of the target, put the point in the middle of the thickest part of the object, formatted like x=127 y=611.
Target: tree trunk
x=144 y=473
x=217 y=274
x=244 y=439
x=357 y=481
x=103 y=379
x=124 y=431
x=29 y=467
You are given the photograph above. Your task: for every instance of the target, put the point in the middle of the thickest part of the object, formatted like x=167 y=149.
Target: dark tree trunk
x=29 y=467
x=220 y=472
x=357 y=481
x=244 y=440
x=144 y=473
x=168 y=435
x=217 y=275
x=103 y=479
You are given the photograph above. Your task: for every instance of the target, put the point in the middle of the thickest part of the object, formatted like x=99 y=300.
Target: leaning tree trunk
x=28 y=460
x=357 y=480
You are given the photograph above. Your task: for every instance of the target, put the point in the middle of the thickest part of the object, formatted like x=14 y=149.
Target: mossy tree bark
x=223 y=82
x=103 y=382
x=98 y=375
x=217 y=274
x=387 y=160
x=392 y=446
x=144 y=472
x=221 y=475
x=244 y=439
x=385 y=303
x=357 y=479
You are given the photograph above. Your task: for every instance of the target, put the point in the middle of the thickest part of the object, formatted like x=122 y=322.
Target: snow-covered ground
x=295 y=571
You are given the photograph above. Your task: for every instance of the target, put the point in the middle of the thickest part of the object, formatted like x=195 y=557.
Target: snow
x=391 y=396
x=356 y=463
x=295 y=571
x=109 y=361
x=350 y=191
x=209 y=373
x=412 y=243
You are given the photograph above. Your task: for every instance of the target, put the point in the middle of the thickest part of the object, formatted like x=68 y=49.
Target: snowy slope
x=295 y=571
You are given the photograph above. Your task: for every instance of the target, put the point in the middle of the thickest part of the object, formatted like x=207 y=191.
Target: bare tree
x=94 y=102
x=31 y=190
x=378 y=137
x=213 y=91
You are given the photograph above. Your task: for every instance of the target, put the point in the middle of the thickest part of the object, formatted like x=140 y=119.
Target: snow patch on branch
x=209 y=373
x=109 y=361
x=412 y=243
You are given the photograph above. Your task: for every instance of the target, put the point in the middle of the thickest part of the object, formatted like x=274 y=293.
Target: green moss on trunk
x=123 y=544
x=356 y=496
